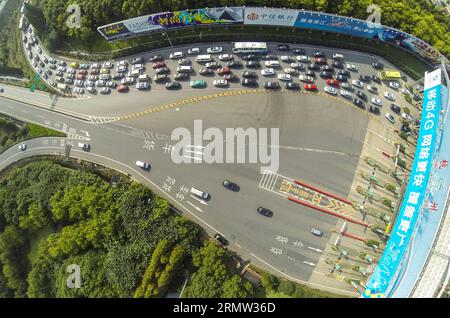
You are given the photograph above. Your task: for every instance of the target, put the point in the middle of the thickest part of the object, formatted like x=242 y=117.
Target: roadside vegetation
x=13 y=132
x=127 y=241
x=417 y=17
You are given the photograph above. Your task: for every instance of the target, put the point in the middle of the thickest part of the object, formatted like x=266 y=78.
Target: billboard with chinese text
x=270 y=16
x=388 y=266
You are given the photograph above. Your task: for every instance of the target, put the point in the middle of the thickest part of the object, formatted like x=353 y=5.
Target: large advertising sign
x=270 y=16
x=337 y=24
x=158 y=21
x=387 y=269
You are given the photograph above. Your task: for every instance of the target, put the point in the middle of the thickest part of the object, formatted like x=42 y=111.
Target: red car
x=122 y=88
x=310 y=87
x=82 y=72
x=333 y=82
x=158 y=65
x=223 y=71
x=81 y=77
x=319 y=60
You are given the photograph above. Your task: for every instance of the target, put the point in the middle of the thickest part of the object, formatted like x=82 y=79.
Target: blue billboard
x=385 y=274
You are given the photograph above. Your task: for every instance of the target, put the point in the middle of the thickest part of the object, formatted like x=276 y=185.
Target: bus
x=389 y=75
x=250 y=47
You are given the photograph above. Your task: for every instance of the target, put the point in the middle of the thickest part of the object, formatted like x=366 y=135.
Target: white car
x=52 y=83
x=71 y=71
x=352 y=67
x=122 y=63
x=111 y=84
x=91 y=89
x=62 y=68
x=89 y=83
x=78 y=90
x=225 y=57
x=22 y=147
x=220 y=83
x=389 y=96
x=345 y=94
x=330 y=90
x=176 y=55
x=358 y=83
x=142 y=85
x=406 y=91
x=96 y=65
x=79 y=83
x=100 y=83
x=291 y=71
x=303 y=58
x=108 y=65
x=92 y=77
x=390 y=118
x=376 y=102
x=104 y=90
x=372 y=89
x=394 y=85
x=286 y=58
x=105 y=77
x=406 y=116
x=121 y=68
x=193 y=51
x=212 y=65
x=127 y=80
x=267 y=72
x=298 y=66
x=284 y=77
x=214 y=49
x=137 y=67
x=306 y=78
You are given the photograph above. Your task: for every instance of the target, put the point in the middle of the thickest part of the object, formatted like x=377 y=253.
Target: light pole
x=165 y=33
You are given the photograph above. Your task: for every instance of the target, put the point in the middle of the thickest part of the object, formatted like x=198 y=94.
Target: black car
x=298 y=51
x=138 y=60
x=221 y=239
x=365 y=78
x=269 y=57
x=337 y=64
x=249 y=82
x=271 y=85
x=181 y=76
x=361 y=95
x=319 y=54
x=173 y=85
x=155 y=58
x=264 y=211
x=405 y=127
x=359 y=103
x=206 y=71
x=42 y=64
x=252 y=64
x=293 y=86
x=310 y=73
x=395 y=108
x=248 y=74
x=377 y=66
x=344 y=72
x=327 y=68
x=341 y=78
x=235 y=64
x=326 y=74
x=250 y=57
x=231 y=185
x=49 y=72
x=162 y=70
x=374 y=110
x=376 y=79
x=312 y=66
x=283 y=47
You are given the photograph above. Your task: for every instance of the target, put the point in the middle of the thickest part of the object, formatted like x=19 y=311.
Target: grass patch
x=35 y=131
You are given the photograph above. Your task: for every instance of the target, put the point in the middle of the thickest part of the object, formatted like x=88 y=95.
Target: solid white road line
x=315 y=249
x=309 y=263
x=194 y=206
x=199 y=200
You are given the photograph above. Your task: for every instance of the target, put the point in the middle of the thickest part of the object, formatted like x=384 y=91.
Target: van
x=176 y=55
x=84 y=146
x=199 y=193
x=272 y=63
x=143 y=78
x=184 y=69
x=337 y=56
x=204 y=58
x=143 y=165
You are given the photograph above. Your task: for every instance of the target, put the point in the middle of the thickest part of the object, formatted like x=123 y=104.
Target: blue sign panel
x=384 y=275
x=338 y=24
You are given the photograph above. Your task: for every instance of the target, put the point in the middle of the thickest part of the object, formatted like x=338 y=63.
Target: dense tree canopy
x=417 y=17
